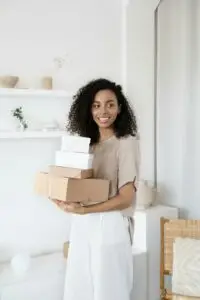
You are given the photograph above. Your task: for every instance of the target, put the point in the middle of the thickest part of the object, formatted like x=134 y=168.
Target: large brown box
x=70 y=172
x=87 y=191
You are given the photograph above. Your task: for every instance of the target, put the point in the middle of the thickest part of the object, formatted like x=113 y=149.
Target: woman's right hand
x=75 y=208
x=60 y=204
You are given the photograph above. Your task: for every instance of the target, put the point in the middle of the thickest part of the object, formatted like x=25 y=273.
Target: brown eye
x=111 y=105
x=95 y=106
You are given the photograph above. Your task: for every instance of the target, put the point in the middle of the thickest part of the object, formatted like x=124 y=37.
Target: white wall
x=173 y=68
x=140 y=75
x=32 y=34
x=178 y=104
x=178 y=94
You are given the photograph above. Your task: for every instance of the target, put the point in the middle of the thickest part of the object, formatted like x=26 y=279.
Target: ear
x=119 y=109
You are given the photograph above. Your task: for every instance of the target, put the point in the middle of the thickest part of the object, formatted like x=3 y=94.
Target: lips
x=103 y=120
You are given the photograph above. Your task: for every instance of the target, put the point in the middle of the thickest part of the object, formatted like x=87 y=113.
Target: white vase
x=20 y=127
x=146 y=195
x=60 y=80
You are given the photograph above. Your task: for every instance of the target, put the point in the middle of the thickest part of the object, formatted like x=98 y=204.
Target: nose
x=103 y=110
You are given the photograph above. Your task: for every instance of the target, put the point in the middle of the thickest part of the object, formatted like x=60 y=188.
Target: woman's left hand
x=75 y=208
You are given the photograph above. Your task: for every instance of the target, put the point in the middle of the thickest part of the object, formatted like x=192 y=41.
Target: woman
x=99 y=263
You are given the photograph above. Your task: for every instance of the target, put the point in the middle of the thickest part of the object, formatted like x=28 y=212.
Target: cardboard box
x=87 y=191
x=65 y=249
x=74 y=160
x=70 y=143
x=70 y=172
x=78 y=190
x=42 y=184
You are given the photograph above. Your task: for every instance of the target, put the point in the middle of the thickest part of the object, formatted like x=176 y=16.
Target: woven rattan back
x=170 y=230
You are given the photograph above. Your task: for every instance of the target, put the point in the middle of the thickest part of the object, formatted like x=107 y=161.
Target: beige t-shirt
x=118 y=161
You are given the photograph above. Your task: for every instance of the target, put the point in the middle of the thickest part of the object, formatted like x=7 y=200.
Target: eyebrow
x=109 y=100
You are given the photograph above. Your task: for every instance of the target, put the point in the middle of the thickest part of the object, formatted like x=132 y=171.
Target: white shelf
x=15 y=92
x=31 y=134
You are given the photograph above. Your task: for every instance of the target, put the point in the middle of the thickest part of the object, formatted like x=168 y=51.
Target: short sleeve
x=128 y=161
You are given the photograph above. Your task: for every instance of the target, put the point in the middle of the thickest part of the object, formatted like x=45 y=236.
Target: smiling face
x=105 y=108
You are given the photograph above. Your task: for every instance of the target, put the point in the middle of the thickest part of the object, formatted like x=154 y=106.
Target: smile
x=103 y=120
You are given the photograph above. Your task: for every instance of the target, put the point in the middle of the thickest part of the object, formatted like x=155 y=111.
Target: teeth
x=103 y=119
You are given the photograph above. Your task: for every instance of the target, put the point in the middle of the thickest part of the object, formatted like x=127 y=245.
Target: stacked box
x=71 y=179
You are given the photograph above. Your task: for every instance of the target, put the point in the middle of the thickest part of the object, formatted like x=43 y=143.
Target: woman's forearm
x=122 y=201
x=116 y=203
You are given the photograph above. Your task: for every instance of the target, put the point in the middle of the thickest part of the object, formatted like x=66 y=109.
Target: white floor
x=45 y=276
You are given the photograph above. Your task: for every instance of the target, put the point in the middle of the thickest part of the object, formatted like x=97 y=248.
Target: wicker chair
x=171 y=229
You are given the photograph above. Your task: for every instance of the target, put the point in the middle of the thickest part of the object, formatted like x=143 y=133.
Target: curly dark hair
x=80 y=119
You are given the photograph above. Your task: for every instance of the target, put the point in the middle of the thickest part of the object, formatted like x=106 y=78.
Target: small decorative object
x=65 y=249
x=8 y=81
x=59 y=80
x=20 y=263
x=47 y=83
x=60 y=61
x=146 y=195
x=51 y=126
x=18 y=114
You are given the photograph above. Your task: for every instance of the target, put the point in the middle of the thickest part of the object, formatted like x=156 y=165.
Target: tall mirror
x=178 y=104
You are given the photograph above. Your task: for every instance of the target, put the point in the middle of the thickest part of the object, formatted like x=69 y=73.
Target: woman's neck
x=105 y=133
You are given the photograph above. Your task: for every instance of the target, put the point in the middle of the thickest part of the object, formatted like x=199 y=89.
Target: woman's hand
x=75 y=208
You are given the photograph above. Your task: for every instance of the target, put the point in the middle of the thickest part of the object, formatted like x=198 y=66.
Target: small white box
x=71 y=143
x=74 y=160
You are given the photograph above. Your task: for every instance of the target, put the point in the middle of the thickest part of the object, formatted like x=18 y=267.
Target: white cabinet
x=140 y=284
x=147 y=238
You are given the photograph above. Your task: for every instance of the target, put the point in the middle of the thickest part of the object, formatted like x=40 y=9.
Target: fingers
x=56 y=201
x=59 y=203
x=69 y=207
